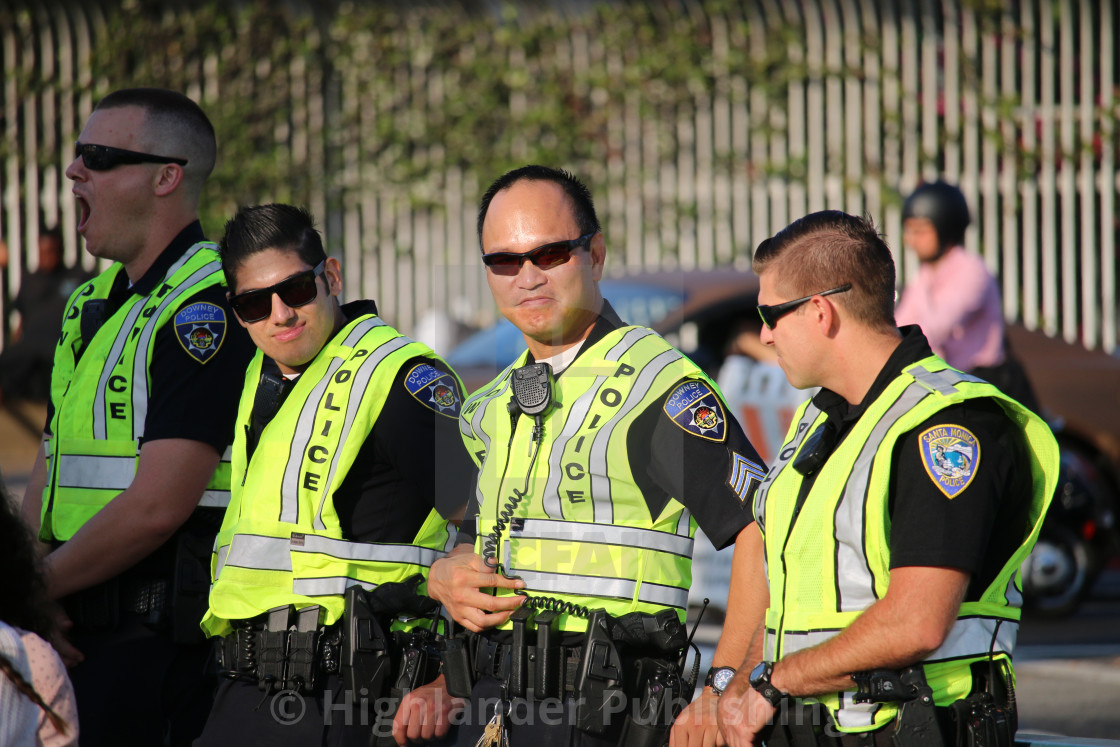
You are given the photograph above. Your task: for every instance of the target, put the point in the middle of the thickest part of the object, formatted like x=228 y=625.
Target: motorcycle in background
x=1079 y=535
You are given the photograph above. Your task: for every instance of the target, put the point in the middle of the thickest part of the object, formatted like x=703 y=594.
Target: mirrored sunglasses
x=771 y=314
x=298 y=290
x=105 y=157
x=545 y=257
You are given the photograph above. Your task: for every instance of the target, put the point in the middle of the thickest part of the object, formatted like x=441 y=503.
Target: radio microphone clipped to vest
x=532 y=394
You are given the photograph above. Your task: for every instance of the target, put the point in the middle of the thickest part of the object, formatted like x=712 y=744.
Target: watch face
x=758 y=674
x=722 y=678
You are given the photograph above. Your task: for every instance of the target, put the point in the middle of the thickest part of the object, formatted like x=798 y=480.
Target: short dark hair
x=583 y=207
x=273 y=226
x=827 y=249
x=175 y=126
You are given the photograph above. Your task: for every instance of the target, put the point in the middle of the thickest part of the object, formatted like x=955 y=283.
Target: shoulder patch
x=950 y=455
x=745 y=474
x=201 y=328
x=697 y=410
x=434 y=389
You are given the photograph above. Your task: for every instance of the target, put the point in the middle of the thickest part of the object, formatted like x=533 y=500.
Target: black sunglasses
x=104 y=157
x=545 y=257
x=298 y=290
x=771 y=314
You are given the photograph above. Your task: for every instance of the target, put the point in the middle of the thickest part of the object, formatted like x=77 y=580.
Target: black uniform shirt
x=188 y=398
x=668 y=462
x=981 y=525
x=412 y=461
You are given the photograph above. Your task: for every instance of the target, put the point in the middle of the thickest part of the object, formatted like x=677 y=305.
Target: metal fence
x=1018 y=105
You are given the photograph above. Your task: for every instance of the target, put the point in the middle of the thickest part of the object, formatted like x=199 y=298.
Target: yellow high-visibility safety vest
x=281 y=542
x=101 y=401
x=583 y=532
x=834 y=563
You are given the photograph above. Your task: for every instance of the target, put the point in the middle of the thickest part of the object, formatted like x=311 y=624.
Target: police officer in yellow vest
x=346 y=434
x=140 y=415
x=894 y=521
x=600 y=450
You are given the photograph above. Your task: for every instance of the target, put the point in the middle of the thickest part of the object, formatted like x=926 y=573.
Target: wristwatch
x=760 y=681
x=719 y=678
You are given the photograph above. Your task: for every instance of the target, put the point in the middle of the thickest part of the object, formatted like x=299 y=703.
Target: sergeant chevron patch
x=744 y=474
x=434 y=389
x=697 y=410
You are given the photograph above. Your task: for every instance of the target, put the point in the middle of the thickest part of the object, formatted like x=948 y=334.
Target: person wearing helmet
x=954 y=298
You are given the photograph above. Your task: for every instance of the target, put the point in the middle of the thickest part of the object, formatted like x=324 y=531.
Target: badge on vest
x=201 y=327
x=950 y=455
x=696 y=408
x=434 y=389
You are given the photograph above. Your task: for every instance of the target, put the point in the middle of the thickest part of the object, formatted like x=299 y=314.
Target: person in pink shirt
x=954 y=298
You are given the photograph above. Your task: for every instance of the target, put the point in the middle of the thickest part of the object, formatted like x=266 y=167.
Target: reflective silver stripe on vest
x=95 y=472
x=332 y=586
x=684 y=524
x=223 y=551
x=214 y=499
x=365 y=551
x=476 y=424
x=594 y=586
x=147 y=334
x=794 y=640
x=1012 y=594
x=358 y=385
x=855 y=584
x=100 y=421
x=943 y=381
x=289 y=489
x=804 y=428
x=973 y=636
x=603 y=506
x=577 y=415
x=260 y=553
x=610 y=534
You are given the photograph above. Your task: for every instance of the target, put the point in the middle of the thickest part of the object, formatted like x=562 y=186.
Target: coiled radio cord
x=505 y=516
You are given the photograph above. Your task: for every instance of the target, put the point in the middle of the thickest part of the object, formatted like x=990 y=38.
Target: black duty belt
x=549 y=673
x=281 y=650
x=101 y=607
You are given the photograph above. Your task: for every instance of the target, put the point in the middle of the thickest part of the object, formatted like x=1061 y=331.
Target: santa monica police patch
x=696 y=408
x=201 y=327
x=950 y=455
x=434 y=389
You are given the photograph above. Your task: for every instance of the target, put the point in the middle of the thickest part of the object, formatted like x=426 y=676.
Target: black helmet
x=944 y=206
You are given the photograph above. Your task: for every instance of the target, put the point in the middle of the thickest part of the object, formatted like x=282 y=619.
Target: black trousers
x=529 y=724
x=136 y=687
x=246 y=717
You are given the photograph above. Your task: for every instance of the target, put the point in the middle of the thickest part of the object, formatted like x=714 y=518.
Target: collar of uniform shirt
x=607 y=322
x=187 y=238
x=912 y=349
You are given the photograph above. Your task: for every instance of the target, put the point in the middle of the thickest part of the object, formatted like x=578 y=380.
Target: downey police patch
x=201 y=327
x=696 y=408
x=434 y=389
x=950 y=455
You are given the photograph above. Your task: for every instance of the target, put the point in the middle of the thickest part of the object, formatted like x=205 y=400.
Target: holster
x=917 y=724
x=365 y=658
x=599 y=684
